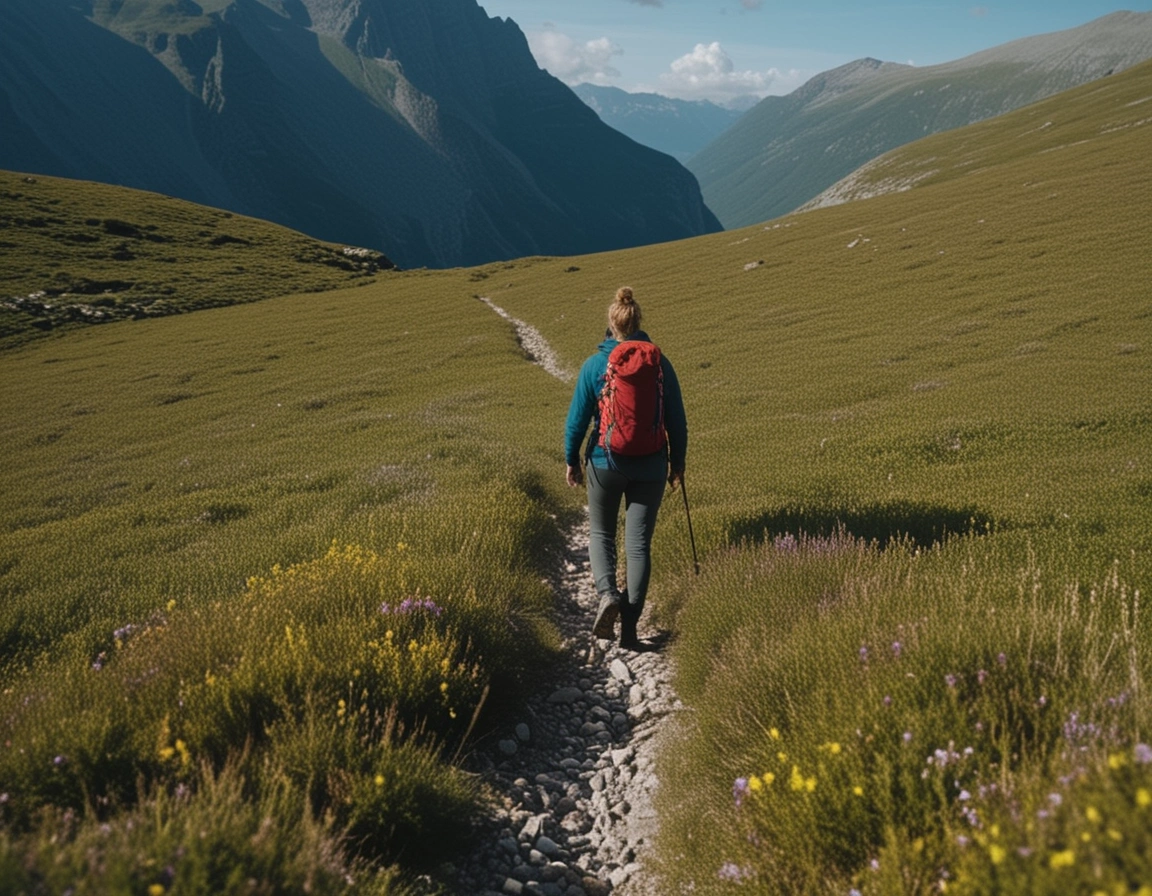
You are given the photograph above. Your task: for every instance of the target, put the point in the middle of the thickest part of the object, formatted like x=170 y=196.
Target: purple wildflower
x=60 y=761
x=1143 y=754
x=733 y=872
x=950 y=680
x=1055 y=799
x=907 y=737
x=896 y=648
x=739 y=791
x=1002 y=659
x=1043 y=701
x=887 y=701
x=863 y=654
x=411 y=605
x=982 y=676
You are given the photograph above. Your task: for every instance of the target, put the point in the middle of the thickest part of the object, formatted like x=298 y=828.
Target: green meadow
x=286 y=559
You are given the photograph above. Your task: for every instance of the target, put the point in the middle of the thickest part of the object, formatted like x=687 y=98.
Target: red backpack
x=632 y=401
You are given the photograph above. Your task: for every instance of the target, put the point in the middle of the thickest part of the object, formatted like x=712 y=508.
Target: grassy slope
x=101 y=252
x=975 y=348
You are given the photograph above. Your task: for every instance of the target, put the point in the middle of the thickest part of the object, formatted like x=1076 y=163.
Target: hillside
x=424 y=131
x=312 y=540
x=83 y=253
x=677 y=127
x=787 y=150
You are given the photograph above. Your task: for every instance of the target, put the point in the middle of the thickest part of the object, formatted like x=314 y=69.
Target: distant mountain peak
x=787 y=150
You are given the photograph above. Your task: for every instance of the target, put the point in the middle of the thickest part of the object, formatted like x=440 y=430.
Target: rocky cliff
x=424 y=130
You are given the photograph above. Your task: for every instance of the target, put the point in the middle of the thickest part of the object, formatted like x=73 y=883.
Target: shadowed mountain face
x=425 y=130
x=789 y=149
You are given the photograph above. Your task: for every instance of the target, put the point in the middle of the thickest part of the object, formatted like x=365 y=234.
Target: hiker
x=625 y=459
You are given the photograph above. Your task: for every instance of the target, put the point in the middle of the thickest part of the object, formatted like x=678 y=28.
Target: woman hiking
x=638 y=440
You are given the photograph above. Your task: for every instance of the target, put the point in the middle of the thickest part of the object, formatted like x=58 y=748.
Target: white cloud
x=573 y=62
x=708 y=73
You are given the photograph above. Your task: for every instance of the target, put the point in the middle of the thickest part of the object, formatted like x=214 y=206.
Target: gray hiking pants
x=641 y=501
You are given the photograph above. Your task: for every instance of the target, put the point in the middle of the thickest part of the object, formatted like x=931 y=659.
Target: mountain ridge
x=787 y=150
x=677 y=127
x=426 y=132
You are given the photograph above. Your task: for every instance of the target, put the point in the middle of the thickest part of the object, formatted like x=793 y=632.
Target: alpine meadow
x=290 y=559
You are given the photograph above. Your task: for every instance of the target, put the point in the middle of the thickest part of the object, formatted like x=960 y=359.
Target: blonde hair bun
x=624 y=314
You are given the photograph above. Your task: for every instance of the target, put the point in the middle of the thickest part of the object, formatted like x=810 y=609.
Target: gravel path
x=576 y=777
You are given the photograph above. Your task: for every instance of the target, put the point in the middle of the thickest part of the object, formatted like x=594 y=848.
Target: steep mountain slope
x=423 y=130
x=677 y=127
x=788 y=149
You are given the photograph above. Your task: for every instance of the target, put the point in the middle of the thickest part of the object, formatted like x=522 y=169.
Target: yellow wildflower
x=768 y=779
x=796 y=780
x=755 y=784
x=996 y=853
x=1064 y=859
x=1115 y=835
x=1086 y=837
x=167 y=753
x=1092 y=815
x=171 y=605
x=443 y=687
x=378 y=780
x=156 y=890
x=1143 y=798
x=1117 y=761
x=858 y=790
x=783 y=757
x=832 y=748
x=774 y=733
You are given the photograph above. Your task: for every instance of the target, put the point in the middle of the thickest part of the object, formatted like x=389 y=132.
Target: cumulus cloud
x=572 y=61
x=709 y=73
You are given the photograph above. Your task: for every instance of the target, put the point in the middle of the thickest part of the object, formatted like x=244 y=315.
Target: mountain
x=425 y=131
x=679 y=128
x=788 y=149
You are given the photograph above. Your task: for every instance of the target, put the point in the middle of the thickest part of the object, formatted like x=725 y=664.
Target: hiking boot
x=606 y=615
x=628 y=638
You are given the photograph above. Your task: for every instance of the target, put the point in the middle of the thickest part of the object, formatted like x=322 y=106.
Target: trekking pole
x=688 y=514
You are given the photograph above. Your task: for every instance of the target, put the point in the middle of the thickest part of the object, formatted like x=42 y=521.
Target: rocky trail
x=575 y=778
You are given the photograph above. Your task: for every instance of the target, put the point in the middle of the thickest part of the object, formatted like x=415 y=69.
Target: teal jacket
x=583 y=411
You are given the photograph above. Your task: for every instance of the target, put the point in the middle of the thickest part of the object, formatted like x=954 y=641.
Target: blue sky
x=720 y=49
